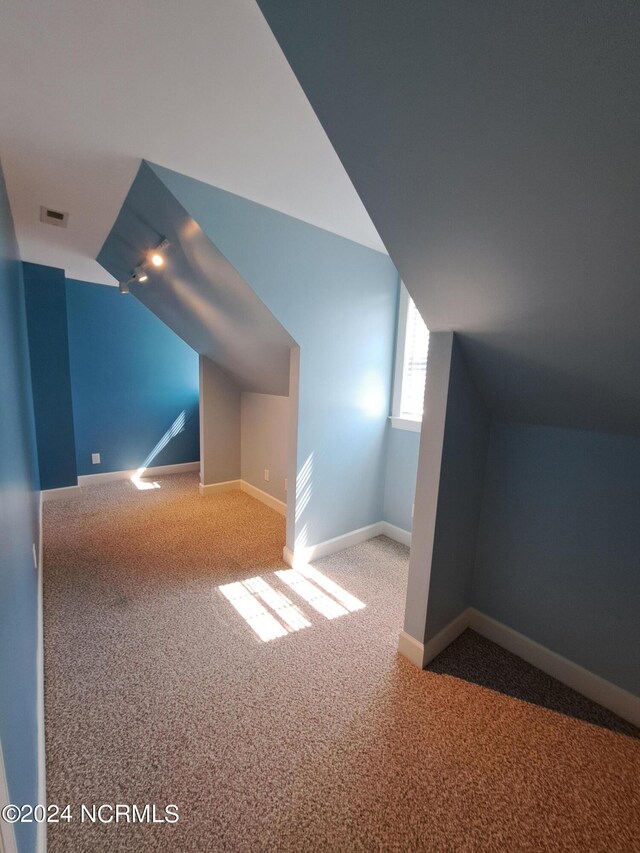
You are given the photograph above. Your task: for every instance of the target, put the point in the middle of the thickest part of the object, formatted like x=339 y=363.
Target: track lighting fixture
x=156 y=257
x=140 y=275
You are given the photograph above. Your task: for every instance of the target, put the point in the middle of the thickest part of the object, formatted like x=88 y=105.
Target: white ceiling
x=89 y=88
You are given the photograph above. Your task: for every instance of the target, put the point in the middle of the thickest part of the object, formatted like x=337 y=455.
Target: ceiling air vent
x=54 y=217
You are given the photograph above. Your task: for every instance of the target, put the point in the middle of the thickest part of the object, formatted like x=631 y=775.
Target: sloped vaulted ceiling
x=197 y=292
x=496 y=147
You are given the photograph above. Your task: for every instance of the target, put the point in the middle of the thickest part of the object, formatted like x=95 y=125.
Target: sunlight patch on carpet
x=272 y=614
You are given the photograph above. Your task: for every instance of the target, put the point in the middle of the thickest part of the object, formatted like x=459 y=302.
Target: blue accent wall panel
x=337 y=299
x=18 y=532
x=46 y=303
x=132 y=380
x=559 y=544
x=400 y=481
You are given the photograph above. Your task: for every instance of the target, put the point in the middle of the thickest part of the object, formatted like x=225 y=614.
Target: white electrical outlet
x=95 y=458
x=266 y=475
x=285 y=484
x=35 y=556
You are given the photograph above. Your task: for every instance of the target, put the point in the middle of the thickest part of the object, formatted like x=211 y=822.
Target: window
x=411 y=365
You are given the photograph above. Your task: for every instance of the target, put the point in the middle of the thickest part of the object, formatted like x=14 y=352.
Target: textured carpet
x=159 y=691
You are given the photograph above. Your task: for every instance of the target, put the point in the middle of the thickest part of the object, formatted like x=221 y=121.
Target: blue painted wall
x=18 y=532
x=132 y=377
x=464 y=454
x=400 y=478
x=46 y=303
x=401 y=469
x=559 y=544
x=337 y=299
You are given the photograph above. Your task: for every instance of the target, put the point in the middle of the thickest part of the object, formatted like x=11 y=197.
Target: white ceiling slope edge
x=88 y=89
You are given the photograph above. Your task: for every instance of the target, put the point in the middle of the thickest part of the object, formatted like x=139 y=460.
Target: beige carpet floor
x=158 y=690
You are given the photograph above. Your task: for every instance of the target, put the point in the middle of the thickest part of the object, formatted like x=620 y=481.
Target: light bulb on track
x=140 y=274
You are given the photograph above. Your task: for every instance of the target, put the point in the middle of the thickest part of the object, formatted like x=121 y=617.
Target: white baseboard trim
x=269 y=500
x=177 y=468
x=444 y=638
x=41 y=830
x=7 y=834
x=399 y=534
x=598 y=689
x=157 y=471
x=217 y=488
x=610 y=696
x=411 y=649
x=112 y=476
x=56 y=494
x=308 y=553
x=421 y=654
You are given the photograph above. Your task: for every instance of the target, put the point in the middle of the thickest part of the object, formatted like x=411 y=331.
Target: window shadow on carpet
x=479 y=661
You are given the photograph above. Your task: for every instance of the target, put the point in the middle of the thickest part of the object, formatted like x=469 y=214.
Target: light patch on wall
x=304 y=486
x=175 y=429
x=372 y=399
x=301 y=542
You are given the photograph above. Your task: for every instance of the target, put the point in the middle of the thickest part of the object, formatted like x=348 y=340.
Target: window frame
x=398 y=420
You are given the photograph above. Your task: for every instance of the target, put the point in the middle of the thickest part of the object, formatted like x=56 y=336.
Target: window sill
x=411 y=424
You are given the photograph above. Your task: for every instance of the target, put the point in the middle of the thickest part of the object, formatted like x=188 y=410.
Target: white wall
x=219 y=425
x=265 y=442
